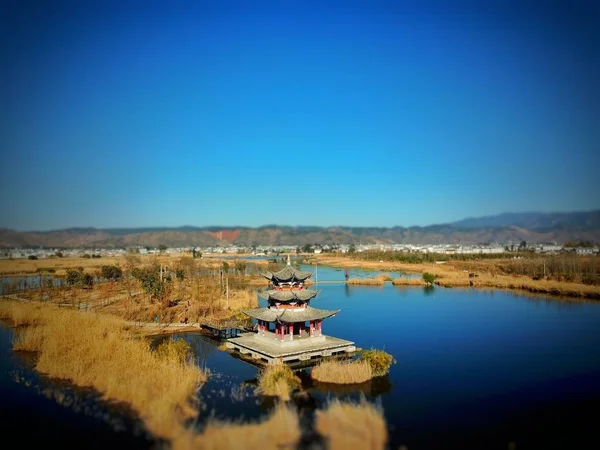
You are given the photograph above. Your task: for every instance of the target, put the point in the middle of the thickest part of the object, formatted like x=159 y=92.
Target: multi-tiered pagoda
x=289 y=329
x=289 y=314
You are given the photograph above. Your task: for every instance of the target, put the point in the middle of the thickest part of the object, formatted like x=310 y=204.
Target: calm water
x=476 y=369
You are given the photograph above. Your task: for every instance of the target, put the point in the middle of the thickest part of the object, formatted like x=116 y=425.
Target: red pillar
x=311 y=328
x=319 y=327
x=291 y=331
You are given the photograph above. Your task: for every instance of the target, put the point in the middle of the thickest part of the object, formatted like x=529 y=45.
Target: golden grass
x=403 y=281
x=98 y=351
x=279 y=431
x=277 y=380
x=23 y=266
x=240 y=299
x=20 y=315
x=454 y=274
x=369 y=281
x=485 y=280
x=342 y=372
x=349 y=426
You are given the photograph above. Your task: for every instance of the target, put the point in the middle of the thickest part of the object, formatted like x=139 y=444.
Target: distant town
x=443 y=249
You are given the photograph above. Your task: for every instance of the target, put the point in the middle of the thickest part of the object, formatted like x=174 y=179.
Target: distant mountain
x=532 y=227
x=536 y=221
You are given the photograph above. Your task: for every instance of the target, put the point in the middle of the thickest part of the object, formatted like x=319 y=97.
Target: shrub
x=379 y=361
x=32 y=257
x=429 y=278
x=74 y=277
x=151 y=282
x=111 y=273
x=87 y=280
x=86 y=256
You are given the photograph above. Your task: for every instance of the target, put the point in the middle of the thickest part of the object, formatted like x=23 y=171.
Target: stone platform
x=271 y=350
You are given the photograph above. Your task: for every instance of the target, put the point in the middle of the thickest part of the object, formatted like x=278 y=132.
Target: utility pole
x=227 y=291
x=544 y=268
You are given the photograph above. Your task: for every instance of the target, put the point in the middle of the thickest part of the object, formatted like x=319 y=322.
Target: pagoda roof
x=288 y=295
x=288 y=273
x=288 y=315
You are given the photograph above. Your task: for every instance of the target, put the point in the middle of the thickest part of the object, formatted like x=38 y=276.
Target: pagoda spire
x=289 y=262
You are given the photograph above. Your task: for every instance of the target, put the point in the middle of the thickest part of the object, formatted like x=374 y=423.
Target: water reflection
x=372 y=388
x=347 y=290
x=428 y=290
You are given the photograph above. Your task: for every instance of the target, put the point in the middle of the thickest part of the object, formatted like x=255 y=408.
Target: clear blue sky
x=114 y=114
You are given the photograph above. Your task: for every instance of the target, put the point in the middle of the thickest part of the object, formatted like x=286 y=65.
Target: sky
x=140 y=114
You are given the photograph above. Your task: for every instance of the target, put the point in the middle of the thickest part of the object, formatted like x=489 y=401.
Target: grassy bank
x=98 y=351
x=479 y=273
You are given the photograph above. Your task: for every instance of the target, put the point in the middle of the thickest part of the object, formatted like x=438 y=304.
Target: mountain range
x=532 y=227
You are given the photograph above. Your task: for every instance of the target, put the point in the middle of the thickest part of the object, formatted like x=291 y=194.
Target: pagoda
x=288 y=328
x=289 y=311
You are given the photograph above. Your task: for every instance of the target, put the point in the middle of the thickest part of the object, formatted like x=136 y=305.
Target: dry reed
x=403 y=281
x=377 y=281
x=347 y=425
x=280 y=430
x=277 y=380
x=455 y=274
x=98 y=351
x=342 y=372
x=21 y=315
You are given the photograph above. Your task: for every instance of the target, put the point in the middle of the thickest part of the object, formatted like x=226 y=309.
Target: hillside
x=510 y=227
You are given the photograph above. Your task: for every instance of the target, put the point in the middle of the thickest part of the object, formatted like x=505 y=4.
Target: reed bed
x=342 y=372
x=278 y=380
x=370 y=281
x=562 y=288
x=403 y=281
x=98 y=351
x=21 y=314
x=279 y=431
x=347 y=425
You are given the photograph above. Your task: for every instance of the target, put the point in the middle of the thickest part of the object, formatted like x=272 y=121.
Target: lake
x=476 y=369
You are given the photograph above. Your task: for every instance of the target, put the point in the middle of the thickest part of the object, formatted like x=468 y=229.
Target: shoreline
x=449 y=275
